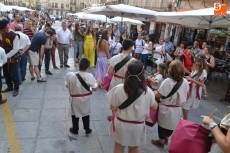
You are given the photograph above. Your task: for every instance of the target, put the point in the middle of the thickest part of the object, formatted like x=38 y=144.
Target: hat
x=3 y=24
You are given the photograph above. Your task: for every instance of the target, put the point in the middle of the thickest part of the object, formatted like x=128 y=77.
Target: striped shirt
x=28 y=32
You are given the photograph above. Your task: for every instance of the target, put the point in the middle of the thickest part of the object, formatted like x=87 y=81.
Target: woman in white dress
x=128 y=127
x=111 y=40
x=159 y=49
x=170 y=108
x=197 y=79
x=139 y=44
x=221 y=133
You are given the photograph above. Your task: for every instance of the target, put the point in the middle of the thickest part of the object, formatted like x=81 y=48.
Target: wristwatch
x=212 y=125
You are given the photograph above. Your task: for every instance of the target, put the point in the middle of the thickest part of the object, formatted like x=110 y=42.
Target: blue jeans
x=77 y=49
x=22 y=67
x=144 y=60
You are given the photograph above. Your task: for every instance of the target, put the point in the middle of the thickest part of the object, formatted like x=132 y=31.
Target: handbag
x=189 y=137
x=153 y=114
x=118 y=66
x=83 y=83
x=112 y=50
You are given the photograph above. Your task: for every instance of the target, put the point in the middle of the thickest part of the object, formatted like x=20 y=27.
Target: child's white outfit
x=79 y=106
x=193 y=100
x=159 y=79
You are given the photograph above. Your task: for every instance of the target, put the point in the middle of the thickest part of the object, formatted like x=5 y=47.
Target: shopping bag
x=189 y=137
x=153 y=114
x=107 y=81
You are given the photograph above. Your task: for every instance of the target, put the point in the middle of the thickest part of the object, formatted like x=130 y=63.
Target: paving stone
x=51 y=145
x=27 y=145
x=54 y=87
x=53 y=115
x=88 y=144
x=100 y=114
x=56 y=94
x=52 y=130
x=26 y=115
x=2 y=131
x=4 y=146
x=56 y=103
x=35 y=86
x=102 y=127
x=25 y=130
x=29 y=103
x=35 y=93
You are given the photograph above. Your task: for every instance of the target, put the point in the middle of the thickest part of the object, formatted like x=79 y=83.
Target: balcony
x=62 y=7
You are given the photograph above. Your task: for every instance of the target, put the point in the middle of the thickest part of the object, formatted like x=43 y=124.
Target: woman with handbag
x=221 y=133
x=172 y=94
x=148 y=47
x=139 y=44
x=131 y=102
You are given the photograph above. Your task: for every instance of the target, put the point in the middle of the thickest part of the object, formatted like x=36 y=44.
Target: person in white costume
x=80 y=96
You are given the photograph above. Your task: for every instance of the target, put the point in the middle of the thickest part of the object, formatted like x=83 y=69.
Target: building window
x=62 y=5
x=56 y=5
x=67 y=5
x=56 y=12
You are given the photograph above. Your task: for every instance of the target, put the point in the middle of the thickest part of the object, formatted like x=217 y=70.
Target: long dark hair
x=88 y=31
x=112 y=34
x=134 y=78
x=76 y=29
x=104 y=36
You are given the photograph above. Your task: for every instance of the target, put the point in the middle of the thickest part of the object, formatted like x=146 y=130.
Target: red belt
x=117 y=76
x=171 y=106
x=80 y=95
x=132 y=122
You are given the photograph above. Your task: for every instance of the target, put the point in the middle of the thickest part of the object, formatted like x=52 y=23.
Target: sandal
x=205 y=96
x=157 y=144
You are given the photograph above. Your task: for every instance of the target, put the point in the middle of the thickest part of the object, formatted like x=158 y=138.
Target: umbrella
x=20 y=8
x=203 y=18
x=95 y=17
x=126 y=20
x=4 y=8
x=124 y=11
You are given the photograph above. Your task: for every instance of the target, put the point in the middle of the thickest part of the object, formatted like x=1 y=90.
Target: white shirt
x=145 y=51
x=117 y=47
x=158 y=49
x=111 y=41
x=10 y=16
x=24 y=40
x=3 y=58
x=63 y=36
x=139 y=44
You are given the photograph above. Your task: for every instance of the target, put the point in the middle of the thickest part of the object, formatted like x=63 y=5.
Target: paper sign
x=220 y=9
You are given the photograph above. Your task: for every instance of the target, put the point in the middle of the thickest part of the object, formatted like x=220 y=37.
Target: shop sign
x=220 y=9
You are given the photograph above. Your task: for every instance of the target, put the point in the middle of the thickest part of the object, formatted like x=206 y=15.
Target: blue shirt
x=169 y=47
x=38 y=40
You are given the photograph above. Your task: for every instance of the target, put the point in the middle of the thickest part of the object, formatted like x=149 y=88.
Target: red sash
x=81 y=95
x=197 y=90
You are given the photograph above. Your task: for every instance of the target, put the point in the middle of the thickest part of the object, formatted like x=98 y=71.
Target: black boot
x=86 y=125
x=7 y=89
x=75 y=122
x=2 y=101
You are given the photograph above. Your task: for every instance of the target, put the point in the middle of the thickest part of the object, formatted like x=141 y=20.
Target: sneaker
x=88 y=132
x=55 y=67
x=61 y=66
x=67 y=66
x=3 y=101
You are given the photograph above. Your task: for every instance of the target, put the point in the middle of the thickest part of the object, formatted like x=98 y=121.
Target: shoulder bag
x=153 y=114
x=118 y=66
x=83 y=83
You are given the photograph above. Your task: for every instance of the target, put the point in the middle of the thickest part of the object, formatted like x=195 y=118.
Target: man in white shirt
x=65 y=41
x=24 y=45
x=3 y=60
x=10 y=42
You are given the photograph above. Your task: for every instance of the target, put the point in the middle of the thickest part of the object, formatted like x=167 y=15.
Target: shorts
x=33 y=58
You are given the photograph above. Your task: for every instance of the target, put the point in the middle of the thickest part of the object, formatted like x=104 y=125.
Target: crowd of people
x=126 y=57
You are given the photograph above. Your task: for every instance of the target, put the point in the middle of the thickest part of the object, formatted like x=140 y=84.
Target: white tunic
x=159 y=79
x=79 y=106
x=112 y=62
x=139 y=44
x=192 y=101
x=128 y=134
x=168 y=117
